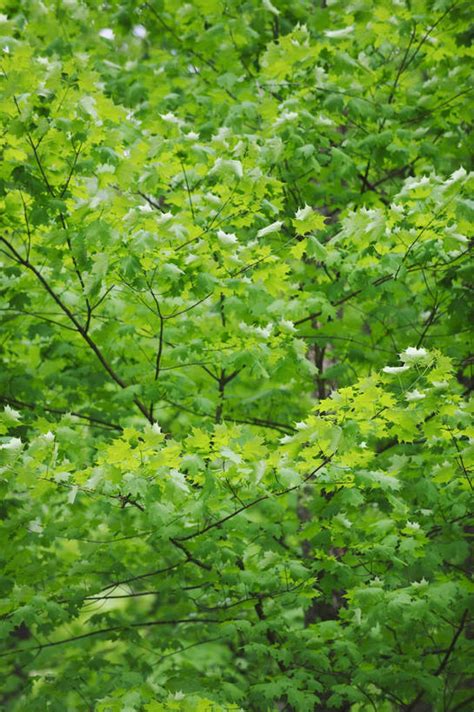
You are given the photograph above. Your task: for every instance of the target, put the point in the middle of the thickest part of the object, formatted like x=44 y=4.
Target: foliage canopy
x=235 y=358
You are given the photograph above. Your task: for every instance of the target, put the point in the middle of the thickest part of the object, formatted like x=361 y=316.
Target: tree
x=235 y=438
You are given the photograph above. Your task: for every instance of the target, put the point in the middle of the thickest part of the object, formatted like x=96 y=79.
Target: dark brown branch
x=151 y=202
x=188 y=189
x=403 y=65
x=115 y=629
x=262 y=498
x=428 y=33
x=262 y=423
x=375 y=283
x=71 y=172
x=189 y=556
x=60 y=411
x=139 y=577
x=52 y=192
x=80 y=329
x=444 y=661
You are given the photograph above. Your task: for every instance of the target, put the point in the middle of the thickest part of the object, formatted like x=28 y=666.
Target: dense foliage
x=235 y=357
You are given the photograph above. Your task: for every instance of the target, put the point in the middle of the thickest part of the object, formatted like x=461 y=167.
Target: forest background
x=235 y=356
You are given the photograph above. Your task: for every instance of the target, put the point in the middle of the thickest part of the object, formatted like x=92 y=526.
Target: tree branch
x=61 y=411
x=114 y=629
x=79 y=328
